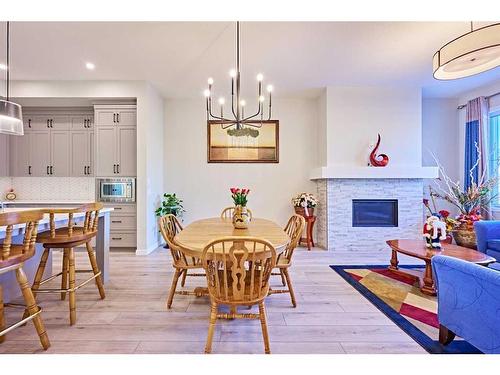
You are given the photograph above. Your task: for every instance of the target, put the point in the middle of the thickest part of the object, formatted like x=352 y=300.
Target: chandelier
x=236 y=120
x=474 y=52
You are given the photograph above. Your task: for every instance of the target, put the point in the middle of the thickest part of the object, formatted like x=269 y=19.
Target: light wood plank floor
x=331 y=317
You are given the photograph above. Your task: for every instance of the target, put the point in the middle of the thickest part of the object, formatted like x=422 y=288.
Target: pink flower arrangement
x=239 y=196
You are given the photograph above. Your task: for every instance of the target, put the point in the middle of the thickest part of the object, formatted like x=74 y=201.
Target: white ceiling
x=298 y=57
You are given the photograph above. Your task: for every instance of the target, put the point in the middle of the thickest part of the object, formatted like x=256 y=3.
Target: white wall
x=356 y=114
x=440 y=136
x=149 y=137
x=205 y=187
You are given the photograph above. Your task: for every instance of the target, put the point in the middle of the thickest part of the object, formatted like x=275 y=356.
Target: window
x=494 y=146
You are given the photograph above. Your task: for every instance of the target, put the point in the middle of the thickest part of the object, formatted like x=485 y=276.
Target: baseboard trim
x=147 y=251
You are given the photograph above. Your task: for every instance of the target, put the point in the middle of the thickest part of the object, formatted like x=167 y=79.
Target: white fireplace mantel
x=374 y=172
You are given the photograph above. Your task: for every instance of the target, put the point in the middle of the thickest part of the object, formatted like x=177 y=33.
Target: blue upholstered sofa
x=488 y=239
x=468 y=302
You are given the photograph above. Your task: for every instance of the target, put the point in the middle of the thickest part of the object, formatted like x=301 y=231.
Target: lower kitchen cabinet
x=123 y=225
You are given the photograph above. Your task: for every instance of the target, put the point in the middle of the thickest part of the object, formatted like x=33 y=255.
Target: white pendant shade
x=11 y=118
x=469 y=54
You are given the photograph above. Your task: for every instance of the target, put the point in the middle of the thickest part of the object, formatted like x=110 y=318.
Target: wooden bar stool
x=68 y=238
x=12 y=258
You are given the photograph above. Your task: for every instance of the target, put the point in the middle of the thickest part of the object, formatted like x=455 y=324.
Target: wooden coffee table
x=417 y=249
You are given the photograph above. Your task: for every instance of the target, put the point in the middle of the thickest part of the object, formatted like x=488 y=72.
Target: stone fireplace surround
x=334 y=213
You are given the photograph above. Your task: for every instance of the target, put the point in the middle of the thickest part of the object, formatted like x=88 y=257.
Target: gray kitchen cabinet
x=46 y=148
x=106 y=144
x=81 y=146
x=59 y=153
x=40 y=153
x=20 y=151
x=116 y=140
x=4 y=154
x=81 y=122
x=127 y=154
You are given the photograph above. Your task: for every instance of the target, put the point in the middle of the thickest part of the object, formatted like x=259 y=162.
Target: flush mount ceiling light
x=90 y=66
x=474 y=52
x=236 y=116
x=11 y=116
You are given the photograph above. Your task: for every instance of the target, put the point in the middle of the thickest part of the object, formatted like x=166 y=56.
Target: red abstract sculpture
x=375 y=160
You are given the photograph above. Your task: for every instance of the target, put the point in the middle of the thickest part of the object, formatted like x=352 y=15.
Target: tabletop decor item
x=241 y=217
x=10 y=195
x=434 y=232
x=171 y=204
x=443 y=215
x=304 y=204
x=469 y=202
x=380 y=160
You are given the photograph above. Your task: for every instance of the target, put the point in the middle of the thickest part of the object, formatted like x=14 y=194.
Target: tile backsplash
x=57 y=189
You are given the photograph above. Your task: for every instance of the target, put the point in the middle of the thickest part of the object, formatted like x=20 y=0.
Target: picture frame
x=224 y=148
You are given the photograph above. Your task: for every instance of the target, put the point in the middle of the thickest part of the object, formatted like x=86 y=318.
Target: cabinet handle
x=48 y=169
x=117 y=117
x=114 y=117
x=117 y=208
x=51 y=169
x=116 y=238
x=29 y=123
x=84 y=123
x=85 y=170
x=51 y=123
x=29 y=169
x=48 y=123
x=117 y=168
x=116 y=221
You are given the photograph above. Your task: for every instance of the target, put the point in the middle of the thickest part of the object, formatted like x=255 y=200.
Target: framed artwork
x=247 y=145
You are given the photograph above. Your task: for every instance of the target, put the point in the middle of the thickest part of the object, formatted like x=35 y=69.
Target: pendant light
x=11 y=117
x=474 y=52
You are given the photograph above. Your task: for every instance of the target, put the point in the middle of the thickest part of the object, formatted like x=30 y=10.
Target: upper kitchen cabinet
x=5 y=154
x=116 y=140
x=56 y=142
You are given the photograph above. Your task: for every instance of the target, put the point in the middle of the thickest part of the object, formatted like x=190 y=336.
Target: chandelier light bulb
x=221 y=101
x=261 y=98
x=243 y=103
x=269 y=88
x=260 y=77
x=3 y=67
x=210 y=81
x=232 y=73
x=206 y=93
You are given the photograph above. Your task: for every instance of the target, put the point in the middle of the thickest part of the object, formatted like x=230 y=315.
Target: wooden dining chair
x=169 y=227
x=227 y=213
x=12 y=258
x=294 y=229
x=68 y=238
x=238 y=271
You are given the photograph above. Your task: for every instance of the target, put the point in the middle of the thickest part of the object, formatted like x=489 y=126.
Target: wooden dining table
x=198 y=234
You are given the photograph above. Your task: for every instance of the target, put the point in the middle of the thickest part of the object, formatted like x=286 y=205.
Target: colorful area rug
x=400 y=299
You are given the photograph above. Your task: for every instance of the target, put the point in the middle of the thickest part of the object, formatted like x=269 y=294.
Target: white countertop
x=6 y=202
x=58 y=218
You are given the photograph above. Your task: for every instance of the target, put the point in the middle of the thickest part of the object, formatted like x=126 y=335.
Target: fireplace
x=375 y=213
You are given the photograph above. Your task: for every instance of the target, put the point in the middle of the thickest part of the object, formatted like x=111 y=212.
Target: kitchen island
x=8 y=281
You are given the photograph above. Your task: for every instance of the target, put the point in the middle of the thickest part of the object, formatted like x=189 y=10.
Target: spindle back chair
x=227 y=213
x=169 y=228
x=12 y=258
x=238 y=271
x=68 y=237
x=294 y=229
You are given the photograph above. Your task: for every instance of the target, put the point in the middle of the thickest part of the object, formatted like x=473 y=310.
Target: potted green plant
x=171 y=204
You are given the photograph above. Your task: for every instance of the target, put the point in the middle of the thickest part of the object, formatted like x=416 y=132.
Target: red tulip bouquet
x=239 y=196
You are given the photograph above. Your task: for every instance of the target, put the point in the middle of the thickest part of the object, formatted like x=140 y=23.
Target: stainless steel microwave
x=116 y=190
